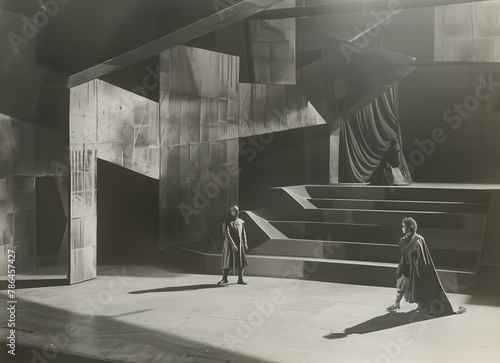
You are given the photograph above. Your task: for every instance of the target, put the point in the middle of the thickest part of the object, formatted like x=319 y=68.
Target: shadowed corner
x=382 y=322
x=178 y=288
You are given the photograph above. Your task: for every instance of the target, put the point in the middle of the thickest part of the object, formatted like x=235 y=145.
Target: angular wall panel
x=199 y=115
x=266 y=108
x=202 y=118
x=117 y=126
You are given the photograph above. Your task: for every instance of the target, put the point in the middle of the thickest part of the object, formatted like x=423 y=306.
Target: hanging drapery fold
x=365 y=137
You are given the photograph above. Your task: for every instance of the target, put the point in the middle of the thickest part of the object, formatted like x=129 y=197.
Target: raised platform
x=349 y=232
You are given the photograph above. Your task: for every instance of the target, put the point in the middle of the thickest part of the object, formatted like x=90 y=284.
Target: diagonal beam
x=355 y=6
x=404 y=71
x=229 y=15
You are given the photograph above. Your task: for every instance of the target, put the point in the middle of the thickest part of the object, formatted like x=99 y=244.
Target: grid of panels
x=468 y=32
x=199 y=113
x=273 y=48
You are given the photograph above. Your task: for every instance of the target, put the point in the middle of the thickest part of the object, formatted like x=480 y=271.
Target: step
x=401 y=205
x=328 y=270
x=446 y=259
x=470 y=240
x=464 y=221
x=398 y=193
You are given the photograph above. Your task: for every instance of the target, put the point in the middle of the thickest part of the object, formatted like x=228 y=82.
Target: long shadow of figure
x=382 y=322
x=178 y=288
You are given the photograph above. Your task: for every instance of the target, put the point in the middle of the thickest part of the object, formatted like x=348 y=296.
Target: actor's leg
x=225 y=273
x=397 y=304
x=399 y=296
x=240 y=277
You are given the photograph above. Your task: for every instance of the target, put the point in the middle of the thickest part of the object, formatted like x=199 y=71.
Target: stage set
x=250 y=181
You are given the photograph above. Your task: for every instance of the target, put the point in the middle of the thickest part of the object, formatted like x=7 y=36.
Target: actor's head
x=395 y=144
x=409 y=226
x=235 y=211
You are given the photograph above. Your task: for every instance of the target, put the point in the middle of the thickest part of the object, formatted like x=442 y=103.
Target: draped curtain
x=365 y=137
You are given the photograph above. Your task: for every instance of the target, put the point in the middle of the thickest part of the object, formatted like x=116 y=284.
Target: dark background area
x=127 y=216
x=471 y=154
x=50 y=221
x=298 y=156
x=80 y=35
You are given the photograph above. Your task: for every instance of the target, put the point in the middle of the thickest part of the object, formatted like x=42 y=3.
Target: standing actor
x=417 y=279
x=235 y=246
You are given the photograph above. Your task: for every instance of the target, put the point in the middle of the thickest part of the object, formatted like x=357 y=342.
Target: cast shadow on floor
x=179 y=288
x=382 y=322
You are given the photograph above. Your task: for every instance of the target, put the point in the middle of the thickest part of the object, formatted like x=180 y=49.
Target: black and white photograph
x=249 y=181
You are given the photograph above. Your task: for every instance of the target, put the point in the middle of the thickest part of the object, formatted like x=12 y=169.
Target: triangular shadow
x=382 y=322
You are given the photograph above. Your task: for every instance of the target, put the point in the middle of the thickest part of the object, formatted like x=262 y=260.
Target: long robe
x=234 y=232
x=390 y=171
x=418 y=279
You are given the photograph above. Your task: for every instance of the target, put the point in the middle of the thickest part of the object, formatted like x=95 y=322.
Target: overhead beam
x=229 y=15
x=355 y=6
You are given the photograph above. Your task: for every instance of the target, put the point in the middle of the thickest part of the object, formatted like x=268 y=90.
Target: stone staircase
x=348 y=233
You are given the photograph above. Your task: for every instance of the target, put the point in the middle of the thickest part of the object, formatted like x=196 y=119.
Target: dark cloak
x=418 y=278
x=389 y=171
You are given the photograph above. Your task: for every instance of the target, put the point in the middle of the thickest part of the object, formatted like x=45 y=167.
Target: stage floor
x=148 y=314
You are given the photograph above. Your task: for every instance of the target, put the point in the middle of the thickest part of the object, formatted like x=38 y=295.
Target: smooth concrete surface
x=149 y=314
